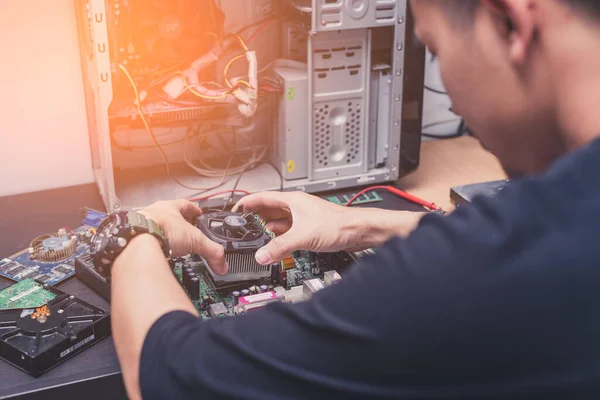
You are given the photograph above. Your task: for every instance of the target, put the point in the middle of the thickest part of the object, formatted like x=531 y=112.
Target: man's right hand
x=305 y=222
x=300 y=222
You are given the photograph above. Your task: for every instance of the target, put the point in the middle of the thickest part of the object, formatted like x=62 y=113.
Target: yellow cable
x=243 y=82
x=244 y=46
x=234 y=59
x=138 y=102
x=213 y=35
x=212 y=12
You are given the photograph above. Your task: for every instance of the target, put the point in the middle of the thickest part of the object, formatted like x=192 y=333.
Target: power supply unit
x=186 y=98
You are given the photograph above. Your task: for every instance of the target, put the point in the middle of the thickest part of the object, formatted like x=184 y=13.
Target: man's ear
x=520 y=24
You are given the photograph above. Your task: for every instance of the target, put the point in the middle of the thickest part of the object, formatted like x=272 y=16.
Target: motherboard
x=292 y=280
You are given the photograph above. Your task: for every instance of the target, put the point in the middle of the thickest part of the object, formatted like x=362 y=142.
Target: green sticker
x=291 y=94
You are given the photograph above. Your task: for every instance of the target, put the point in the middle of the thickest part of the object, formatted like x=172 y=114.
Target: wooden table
x=448 y=163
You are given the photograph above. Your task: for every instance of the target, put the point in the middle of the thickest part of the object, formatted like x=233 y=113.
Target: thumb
x=212 y=252
x=276 y=250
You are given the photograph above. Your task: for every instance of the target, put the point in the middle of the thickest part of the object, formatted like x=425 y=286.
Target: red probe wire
x=399 y=193
x=391 y=189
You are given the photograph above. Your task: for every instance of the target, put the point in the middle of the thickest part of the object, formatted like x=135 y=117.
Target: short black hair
x=465 y=9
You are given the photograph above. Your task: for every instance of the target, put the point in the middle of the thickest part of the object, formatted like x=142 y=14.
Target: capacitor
x=263 y=288
x=283 y=278
x=276 y=273
x=186 y=275
x=254 y=289
x=245 y=292
x=235 y=296
x=194 y=289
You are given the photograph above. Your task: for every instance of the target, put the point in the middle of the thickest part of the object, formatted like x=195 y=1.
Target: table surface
x=95 y=373
x=448 y=163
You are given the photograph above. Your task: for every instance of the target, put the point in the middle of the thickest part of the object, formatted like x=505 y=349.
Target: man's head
x=516 y=71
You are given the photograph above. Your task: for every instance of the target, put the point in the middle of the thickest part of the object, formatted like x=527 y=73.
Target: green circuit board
x=366 y=198
x=25 y=294
x=206 y=288
x=295 y=277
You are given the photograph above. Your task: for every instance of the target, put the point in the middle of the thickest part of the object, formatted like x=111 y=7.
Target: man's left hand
x=176 y=218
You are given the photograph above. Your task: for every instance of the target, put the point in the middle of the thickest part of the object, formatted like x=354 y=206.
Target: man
x=497 y=300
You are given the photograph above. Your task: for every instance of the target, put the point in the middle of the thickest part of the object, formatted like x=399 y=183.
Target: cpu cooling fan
x=173 y=30
x=237 y=233
x=241 y=236
x=53 y=247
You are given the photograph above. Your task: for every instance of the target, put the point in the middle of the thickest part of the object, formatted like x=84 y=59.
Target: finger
x=279 y=226
x=188 y=209
x=278 y=248
x=262 y=200
x=212 y=252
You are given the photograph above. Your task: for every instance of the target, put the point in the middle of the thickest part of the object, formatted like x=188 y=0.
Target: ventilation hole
x=324 y=75
x=352 y=73
x=326 y=56
x=350 y=104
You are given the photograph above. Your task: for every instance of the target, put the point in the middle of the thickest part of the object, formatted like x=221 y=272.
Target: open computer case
x=326 y=93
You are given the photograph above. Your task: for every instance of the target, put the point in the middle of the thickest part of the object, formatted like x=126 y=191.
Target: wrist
x=372 y=227
x=142 y=243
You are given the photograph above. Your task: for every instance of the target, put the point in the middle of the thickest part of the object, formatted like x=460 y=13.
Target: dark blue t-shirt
x=500 y=299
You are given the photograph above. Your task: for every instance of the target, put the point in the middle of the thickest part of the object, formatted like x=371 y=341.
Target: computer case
x=346 y=110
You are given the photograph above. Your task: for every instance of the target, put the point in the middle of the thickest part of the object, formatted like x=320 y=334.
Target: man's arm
x=143 y=289
x=305 y=222
x=372 y=227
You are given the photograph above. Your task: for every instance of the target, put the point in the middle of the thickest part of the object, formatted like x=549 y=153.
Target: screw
x=60 y=311
x=400 y=20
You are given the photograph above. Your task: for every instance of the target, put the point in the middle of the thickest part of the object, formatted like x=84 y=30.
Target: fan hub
x=234 y=221
x=53 y=243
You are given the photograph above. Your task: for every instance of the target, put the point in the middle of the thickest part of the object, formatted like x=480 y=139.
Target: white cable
x=211 y=171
